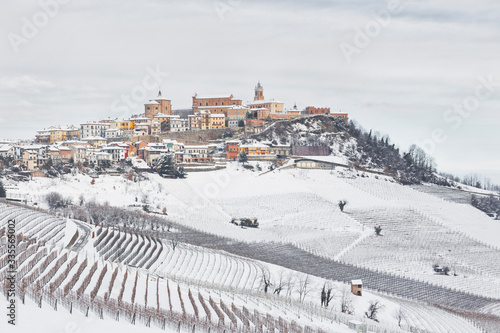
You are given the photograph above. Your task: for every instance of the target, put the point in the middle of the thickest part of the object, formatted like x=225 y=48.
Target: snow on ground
x=31 y=318
x=295 y=206
x=229 y=274
x=301 y=207
x=69 y=231
x=339 y=159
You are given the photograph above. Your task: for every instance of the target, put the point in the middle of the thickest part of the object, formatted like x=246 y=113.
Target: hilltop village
x=214 y=130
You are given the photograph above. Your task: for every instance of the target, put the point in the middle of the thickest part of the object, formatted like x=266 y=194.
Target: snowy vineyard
x=137 y=278
x=57 y=277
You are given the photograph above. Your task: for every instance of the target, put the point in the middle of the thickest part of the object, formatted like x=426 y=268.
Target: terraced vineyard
x=159 y=256
x=422 y=243
x=63 y=278
x=449 y=194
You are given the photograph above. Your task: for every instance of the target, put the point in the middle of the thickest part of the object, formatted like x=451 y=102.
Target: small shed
x=357 y=326
x=357 y=287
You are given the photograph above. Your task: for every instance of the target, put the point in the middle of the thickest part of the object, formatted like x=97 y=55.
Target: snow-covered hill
x=295 y=207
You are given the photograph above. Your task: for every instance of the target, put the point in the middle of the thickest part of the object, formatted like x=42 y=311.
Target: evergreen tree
x=166 y=167
x=3 y=194
x=242 y=157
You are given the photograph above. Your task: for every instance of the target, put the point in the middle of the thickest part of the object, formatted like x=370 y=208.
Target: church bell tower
x=259 y=92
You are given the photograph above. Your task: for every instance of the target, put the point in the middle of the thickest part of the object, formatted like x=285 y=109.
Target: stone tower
x=165 y=104
x=259 y=92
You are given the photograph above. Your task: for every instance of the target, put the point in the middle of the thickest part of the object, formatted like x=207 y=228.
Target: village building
x=357 y=287
x=151 y=154
x=165 y=121
x=58 y=133
x=254 y=149
x=260 y=113
x=53 y=153
x=232 y=149
x=42 y=137
x=158 y=105
x=178 y=124
x=311 y=110
x=64 y=153
x=123 y=124
x=194 y=121
x=172 y=145
x=235 y=114
x=6 y=150
x=155 y=128
x=95 y=141
x=262 y=107
x=341 y=115
x=79 y=153
x=217 y=121
x=98 y=157
x=280 y=150
x=113 y=133
x=196 y=154
x=214 y=104
x=296 y=112
x=91 y=129
x=211 y=121
x=117 y=153
x=30 y=159
x=142 y=125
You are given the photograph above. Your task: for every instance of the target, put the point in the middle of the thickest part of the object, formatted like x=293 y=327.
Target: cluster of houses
x=207 y=112
x=113 y=140
x=33 y=157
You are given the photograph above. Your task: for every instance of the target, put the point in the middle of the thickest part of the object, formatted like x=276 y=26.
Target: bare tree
x=266 y=280
x=342 y=204
x=303 y=288
x=373 y=310
x=174 y=241
x=289 y=285
x=399 y=315
x=279 y=286
x=326 y=295
x=346 y=301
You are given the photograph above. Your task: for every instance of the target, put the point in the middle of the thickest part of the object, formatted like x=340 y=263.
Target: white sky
x=426 y=58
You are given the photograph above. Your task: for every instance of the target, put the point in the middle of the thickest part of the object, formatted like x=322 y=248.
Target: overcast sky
x=397 y=67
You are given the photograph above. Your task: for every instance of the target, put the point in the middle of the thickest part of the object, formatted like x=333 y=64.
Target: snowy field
x=228 y=293
x=292 y=206
x=300 y=207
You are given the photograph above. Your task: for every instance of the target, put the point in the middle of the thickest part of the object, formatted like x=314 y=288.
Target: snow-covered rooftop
x=215 y=96
x=94 y=138
x=265 y=102
x=5 y=147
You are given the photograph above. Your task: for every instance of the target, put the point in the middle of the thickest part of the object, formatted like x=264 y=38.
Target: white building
x=97 y=157
x=6 y=150
x=178 y=124
x=113 y=133
x=196 y=154
x=117 y=153
x=93 y=129
x=79 y=153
